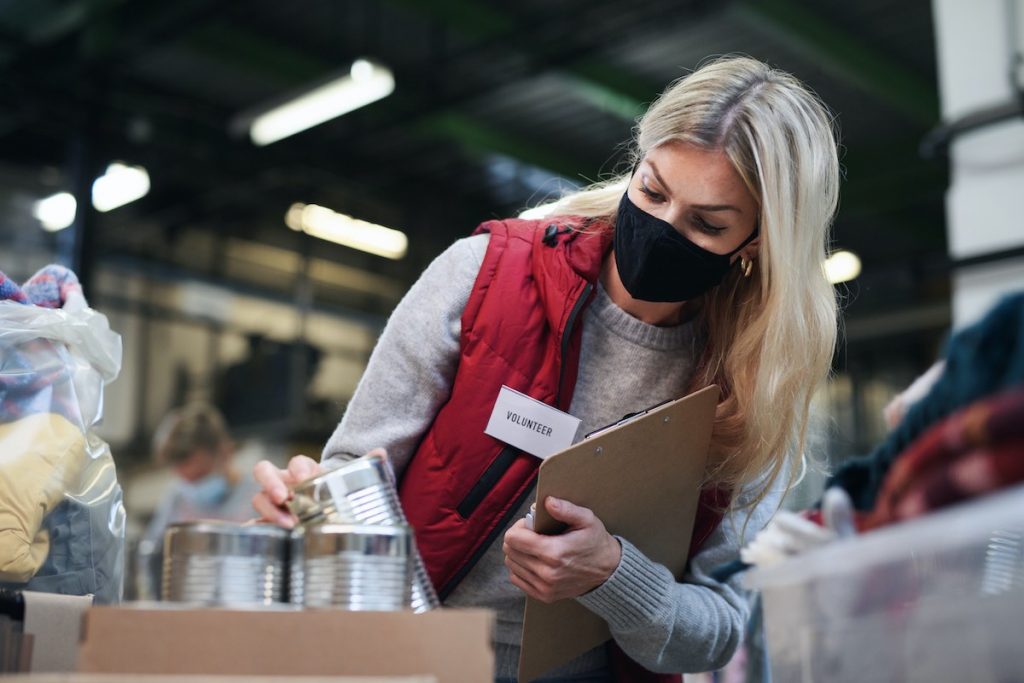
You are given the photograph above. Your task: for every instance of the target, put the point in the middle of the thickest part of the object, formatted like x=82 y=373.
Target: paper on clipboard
x=642 y=479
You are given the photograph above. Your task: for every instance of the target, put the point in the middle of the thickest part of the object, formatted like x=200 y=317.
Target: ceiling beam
x=480 y=140
x=245 y=50
x=473 y=20
x=603 y=85
x=242 y=48
x=38 y=23
x=845 y=55
x=91 y=42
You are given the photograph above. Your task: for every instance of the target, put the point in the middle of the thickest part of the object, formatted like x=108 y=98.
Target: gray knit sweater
x=625 y=365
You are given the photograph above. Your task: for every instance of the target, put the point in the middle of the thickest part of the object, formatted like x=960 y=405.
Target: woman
x=703 y=265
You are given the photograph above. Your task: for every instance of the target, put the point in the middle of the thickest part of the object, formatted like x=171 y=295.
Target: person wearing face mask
x=700 y=265
x=195 y=442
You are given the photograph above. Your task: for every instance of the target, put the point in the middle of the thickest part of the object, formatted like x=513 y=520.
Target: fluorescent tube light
x=366 y=82
x=120 y=185
x=56 y=212
x=842 y=266
x=332 y=226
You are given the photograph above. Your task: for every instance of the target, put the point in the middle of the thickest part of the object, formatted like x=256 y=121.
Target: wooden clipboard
x=642 y=479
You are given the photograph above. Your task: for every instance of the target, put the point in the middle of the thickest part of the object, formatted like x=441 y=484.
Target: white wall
x=157 y=350
x=985 y=202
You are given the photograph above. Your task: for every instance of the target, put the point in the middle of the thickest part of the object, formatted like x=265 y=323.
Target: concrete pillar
x=977 y=43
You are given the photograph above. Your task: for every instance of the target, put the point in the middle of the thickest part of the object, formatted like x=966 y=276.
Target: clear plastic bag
x=62 y=519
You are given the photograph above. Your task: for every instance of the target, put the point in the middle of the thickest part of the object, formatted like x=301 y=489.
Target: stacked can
x=224 y=564
x=354 y=567
x=358 y=494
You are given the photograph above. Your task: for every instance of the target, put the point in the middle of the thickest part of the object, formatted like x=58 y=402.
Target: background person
x=195 y=442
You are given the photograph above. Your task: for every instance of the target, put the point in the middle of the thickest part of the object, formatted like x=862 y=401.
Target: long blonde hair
x=770 y=337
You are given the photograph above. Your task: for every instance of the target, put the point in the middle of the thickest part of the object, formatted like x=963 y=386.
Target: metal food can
x=361 y=492
x=353 y=567
x=217 y=563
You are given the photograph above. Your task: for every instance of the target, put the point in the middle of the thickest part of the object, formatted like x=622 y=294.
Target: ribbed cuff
x=635 y=594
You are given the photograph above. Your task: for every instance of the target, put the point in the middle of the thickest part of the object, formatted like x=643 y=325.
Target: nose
x=672 y=214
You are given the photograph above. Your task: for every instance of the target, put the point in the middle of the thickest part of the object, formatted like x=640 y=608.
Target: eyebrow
x=701 y=207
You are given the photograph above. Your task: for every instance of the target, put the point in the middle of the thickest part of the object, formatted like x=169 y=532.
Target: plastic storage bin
x=939 y=598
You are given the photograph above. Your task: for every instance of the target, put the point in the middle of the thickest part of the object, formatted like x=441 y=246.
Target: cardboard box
x=55 y=624
x=453 y=645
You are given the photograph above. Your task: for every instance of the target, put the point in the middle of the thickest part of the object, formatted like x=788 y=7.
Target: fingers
x=521 y=539
x=526 y=587
x=270 y=502
x=526 y=580
x=525 y=560
x=273 y=513
x=523 y=570
x=272 y=481
x=302 y=467
x=574 y=515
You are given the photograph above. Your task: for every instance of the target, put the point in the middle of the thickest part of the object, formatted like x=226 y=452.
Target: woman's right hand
x=276 y=484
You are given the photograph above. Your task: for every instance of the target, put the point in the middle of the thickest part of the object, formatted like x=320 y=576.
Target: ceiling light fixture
x=119 y=185
x=365 y=82
x=332 y=226
x=842 y=266
x=56 y=212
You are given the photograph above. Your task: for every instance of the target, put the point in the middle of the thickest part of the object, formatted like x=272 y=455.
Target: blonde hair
x=770 y=337
x=185 y=430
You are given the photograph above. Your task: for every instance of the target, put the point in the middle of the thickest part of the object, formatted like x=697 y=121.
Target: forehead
x=696 y=175
x=687 y=167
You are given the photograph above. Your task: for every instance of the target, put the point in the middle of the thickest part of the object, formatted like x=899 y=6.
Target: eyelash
x=651 y=194
x=698 y=221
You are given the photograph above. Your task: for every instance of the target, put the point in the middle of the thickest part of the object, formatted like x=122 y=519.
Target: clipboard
x=642 y=478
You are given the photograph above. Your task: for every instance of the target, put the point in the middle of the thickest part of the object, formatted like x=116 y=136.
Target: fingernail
x=280 y=495
x=285 y=520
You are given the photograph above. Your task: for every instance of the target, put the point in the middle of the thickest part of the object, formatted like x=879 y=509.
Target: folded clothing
x=61 y=513
x=41 y=457
x=975 y=451
x=36 y=376
x=981 y=360
x=52 y=286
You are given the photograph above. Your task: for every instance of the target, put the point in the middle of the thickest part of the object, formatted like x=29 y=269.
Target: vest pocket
x=491 y=476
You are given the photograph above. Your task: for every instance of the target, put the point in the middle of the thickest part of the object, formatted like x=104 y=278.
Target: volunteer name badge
x=530 y=425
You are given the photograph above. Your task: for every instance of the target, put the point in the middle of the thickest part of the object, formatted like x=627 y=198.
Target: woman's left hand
x=551 y=568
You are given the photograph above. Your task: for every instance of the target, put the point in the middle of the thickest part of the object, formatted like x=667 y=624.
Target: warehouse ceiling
x=497 y=105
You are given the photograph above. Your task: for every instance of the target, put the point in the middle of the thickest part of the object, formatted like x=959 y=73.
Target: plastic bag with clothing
x=61 y=513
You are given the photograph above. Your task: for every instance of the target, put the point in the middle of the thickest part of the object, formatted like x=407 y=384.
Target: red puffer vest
x=521 y=328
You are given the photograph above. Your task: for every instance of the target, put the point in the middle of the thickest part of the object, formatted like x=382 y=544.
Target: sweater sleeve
x=410 y=372
x=689 y=626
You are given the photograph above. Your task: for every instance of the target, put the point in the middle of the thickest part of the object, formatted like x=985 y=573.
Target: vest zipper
x=570 y=324
x=445 y=590
x=504 y=460
x=491 y=476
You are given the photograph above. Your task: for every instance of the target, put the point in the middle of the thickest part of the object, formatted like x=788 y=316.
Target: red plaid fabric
x=975 y=451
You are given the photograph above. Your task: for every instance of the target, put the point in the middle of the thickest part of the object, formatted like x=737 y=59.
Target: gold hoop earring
x=746 y=265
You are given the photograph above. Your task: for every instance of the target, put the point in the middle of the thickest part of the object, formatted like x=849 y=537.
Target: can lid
x=319 y=497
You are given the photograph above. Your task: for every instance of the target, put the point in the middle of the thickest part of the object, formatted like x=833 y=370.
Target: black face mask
x=657 y=263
